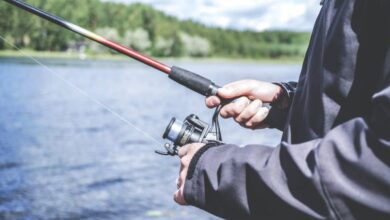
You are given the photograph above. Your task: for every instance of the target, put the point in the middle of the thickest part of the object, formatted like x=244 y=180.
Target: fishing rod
x=184 y=77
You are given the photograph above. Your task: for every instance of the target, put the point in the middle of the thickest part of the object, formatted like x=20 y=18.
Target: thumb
x=236 y=89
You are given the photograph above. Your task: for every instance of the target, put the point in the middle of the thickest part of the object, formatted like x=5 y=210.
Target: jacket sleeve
x=277 y=115
x=345 y=175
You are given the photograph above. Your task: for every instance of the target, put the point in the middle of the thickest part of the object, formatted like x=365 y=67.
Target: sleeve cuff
x=192 y=192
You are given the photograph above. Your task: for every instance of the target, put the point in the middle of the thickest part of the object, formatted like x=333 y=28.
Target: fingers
x=183 y=151
x=189 y=149
x=182 y=176
x=253 y=89
x=179 y=196
x=237 y=89
x=249 y=112
x=180 y=181
x=235 y=108
x=213 y=101
x=186 y=154
x=257 y=121
x=231 y=90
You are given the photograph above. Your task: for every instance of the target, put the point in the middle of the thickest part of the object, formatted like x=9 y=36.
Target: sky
x=258 y=15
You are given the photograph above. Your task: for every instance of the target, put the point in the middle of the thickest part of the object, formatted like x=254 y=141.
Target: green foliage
x=138 y=39
x=195 y=46
x=143 y=28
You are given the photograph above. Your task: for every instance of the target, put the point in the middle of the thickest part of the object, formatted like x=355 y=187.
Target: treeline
x=141 y=27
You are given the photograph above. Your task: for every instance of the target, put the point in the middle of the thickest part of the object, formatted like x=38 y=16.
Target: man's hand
x=186 y=153
x=248 y=110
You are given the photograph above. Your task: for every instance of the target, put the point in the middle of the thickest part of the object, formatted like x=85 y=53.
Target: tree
x=195 y=45
x=163 y=47
x=137 y=39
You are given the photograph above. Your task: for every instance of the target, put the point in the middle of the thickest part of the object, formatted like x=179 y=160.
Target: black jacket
x=334 y=158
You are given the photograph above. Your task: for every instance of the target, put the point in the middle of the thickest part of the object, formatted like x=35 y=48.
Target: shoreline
x=9 y=54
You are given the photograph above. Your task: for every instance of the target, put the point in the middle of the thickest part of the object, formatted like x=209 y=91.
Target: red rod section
x=138 y=56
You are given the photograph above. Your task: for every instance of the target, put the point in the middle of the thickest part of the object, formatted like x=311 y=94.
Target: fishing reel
x=192 y=130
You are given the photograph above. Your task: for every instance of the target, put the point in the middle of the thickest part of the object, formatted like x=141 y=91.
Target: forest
x=140 y=27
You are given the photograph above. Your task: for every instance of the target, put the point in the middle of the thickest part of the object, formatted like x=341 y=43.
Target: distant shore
x=119 y=57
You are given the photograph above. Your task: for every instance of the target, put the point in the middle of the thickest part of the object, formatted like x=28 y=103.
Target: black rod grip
x=193 y=81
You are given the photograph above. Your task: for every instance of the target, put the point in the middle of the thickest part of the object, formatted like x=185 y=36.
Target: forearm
x=339 y=176
x=251 y=183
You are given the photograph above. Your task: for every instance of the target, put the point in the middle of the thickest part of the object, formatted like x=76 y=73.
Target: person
x=334 y=158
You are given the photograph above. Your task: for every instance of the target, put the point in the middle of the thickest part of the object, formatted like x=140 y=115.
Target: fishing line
x=83 y=92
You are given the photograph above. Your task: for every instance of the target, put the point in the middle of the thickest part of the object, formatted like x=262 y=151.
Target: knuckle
x=243 y=117
x=251 y=112
x=223 y=112
x=227 y=112
x=179 y=181
x=176 y=198
x=248 y=114
x=236 y=110
x=238 y=119
x=182 y=151
x=223 y=115
x=185 y=161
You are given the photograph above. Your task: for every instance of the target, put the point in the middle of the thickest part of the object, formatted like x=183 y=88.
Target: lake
x=62 y=156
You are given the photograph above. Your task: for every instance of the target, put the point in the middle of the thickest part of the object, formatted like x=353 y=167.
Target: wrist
x=283 y=96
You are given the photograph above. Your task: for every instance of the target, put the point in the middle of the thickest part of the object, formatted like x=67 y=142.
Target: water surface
x=62 y=156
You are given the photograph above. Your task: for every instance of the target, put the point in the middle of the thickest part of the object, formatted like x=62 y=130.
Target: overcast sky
x=257 y=15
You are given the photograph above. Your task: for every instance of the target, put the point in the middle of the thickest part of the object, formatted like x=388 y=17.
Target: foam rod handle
x=193 y=81
x=196 y=83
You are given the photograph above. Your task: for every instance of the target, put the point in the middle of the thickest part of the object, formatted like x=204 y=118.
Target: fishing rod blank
x=184 y=77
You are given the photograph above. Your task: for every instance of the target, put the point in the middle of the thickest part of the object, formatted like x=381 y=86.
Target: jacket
x=334 y=158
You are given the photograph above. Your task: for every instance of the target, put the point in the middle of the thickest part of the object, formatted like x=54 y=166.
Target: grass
x=119 y=57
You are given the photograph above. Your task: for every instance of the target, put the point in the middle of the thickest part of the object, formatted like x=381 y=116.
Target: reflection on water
x=64 y=157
